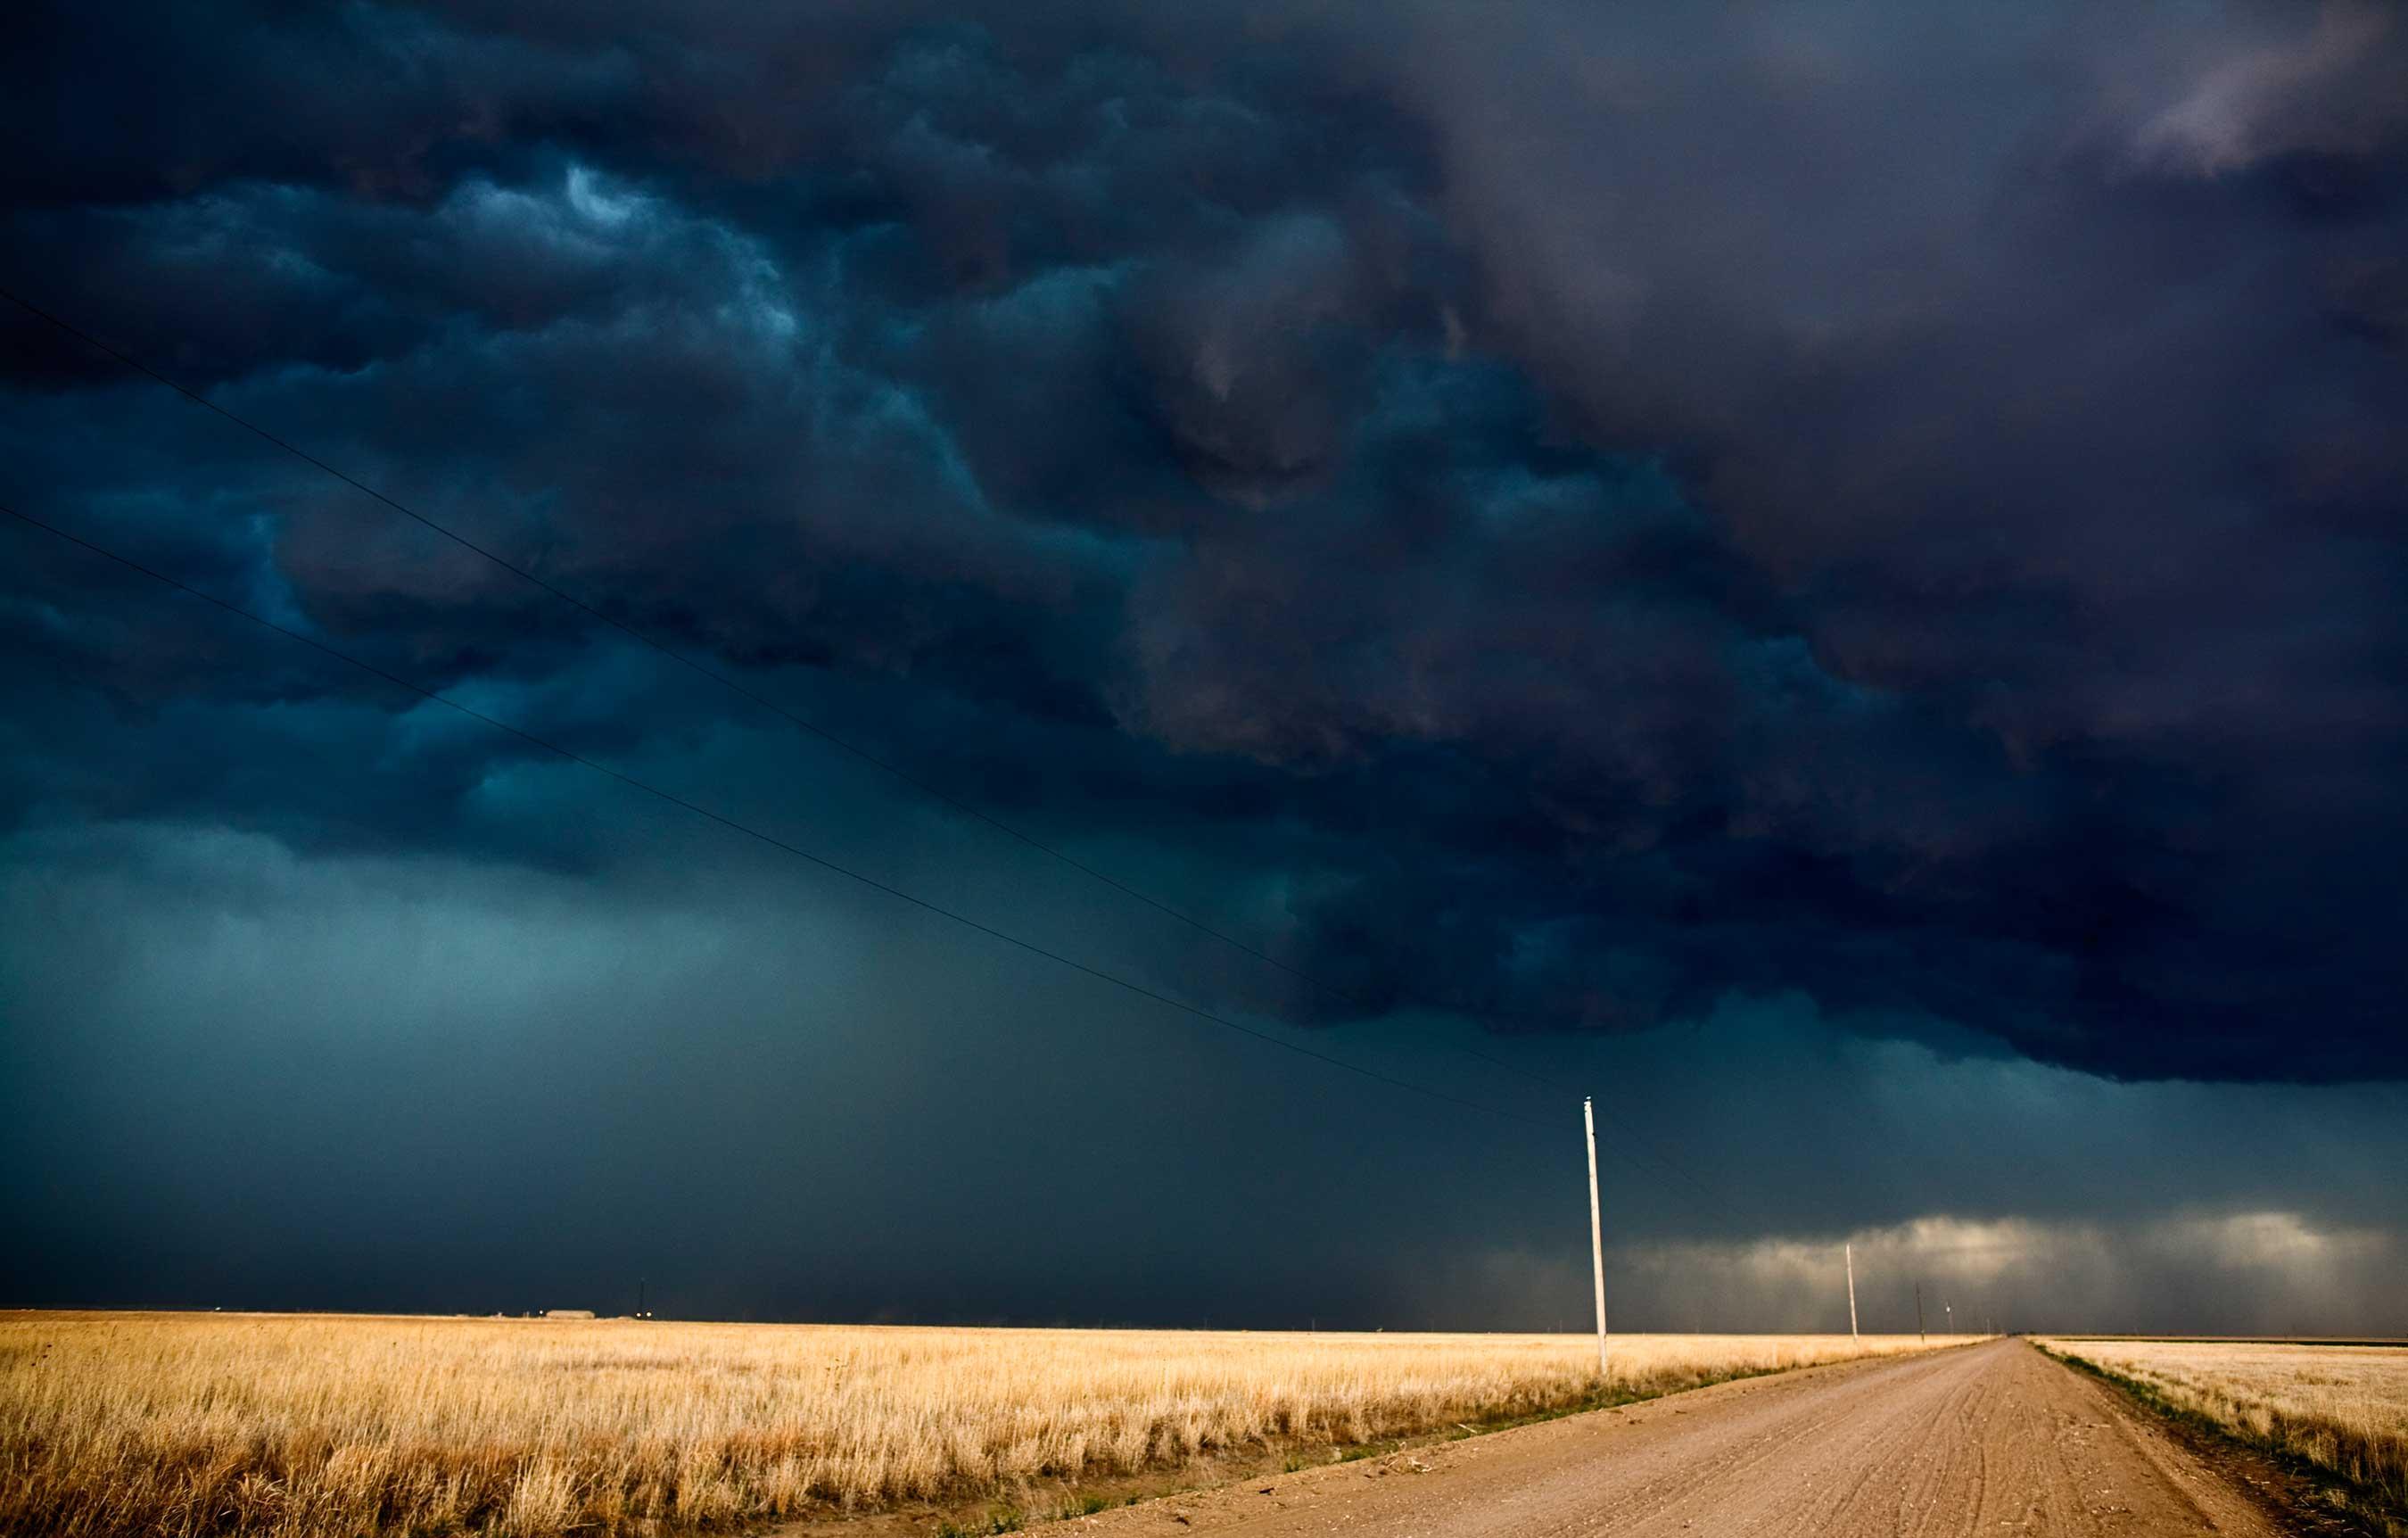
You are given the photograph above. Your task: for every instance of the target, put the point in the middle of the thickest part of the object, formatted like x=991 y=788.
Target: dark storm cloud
x=404 y=1081
x=1606 y=511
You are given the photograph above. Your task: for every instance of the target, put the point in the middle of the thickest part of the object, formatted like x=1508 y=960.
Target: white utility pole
x=1850 y=1252
x=1596 y=1234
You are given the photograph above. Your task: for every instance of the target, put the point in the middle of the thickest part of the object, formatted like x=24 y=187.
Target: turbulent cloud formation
x=1552 y=515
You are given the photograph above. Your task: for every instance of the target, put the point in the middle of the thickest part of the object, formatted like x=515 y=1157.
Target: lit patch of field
x=311 y=1426
x=2344 y=1408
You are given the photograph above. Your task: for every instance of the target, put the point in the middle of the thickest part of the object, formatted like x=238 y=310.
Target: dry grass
x=194 y=1424
x=2344 y=1408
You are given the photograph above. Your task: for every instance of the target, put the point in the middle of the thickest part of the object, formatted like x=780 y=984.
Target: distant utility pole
x=1596 y=1234
x=1919 y=1315
x=1849 y=1251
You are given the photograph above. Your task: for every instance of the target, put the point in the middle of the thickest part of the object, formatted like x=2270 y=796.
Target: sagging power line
x=1596 y=1227
x=702 y=668
x=571 y=756
x=1660 y=1163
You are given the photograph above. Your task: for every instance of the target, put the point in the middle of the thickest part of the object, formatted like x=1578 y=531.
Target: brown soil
x=1989 y=1439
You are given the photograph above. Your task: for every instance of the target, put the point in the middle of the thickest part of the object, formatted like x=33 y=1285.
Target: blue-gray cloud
x=1606 y=513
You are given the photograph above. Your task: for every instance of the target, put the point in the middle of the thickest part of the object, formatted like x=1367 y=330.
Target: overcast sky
x=1832 y=575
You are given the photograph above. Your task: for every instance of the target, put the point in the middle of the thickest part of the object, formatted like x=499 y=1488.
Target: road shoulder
x=1443 y=1465
x=2292 y=1494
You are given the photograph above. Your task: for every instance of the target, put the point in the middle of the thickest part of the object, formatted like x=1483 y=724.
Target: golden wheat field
x=319 y=1425
x=2341 y=1407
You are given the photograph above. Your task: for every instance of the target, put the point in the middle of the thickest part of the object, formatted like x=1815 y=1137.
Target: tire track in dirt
x=1992 y=1439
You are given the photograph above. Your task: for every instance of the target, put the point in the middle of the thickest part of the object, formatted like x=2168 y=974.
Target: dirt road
x=1989 y=1439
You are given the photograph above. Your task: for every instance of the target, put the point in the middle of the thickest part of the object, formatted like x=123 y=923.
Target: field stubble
x=310 y=1426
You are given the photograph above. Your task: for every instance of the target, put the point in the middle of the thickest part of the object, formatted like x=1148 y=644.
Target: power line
x=799 y=721
x=771 y=840
x=1631 y=1155
x=681 y=658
